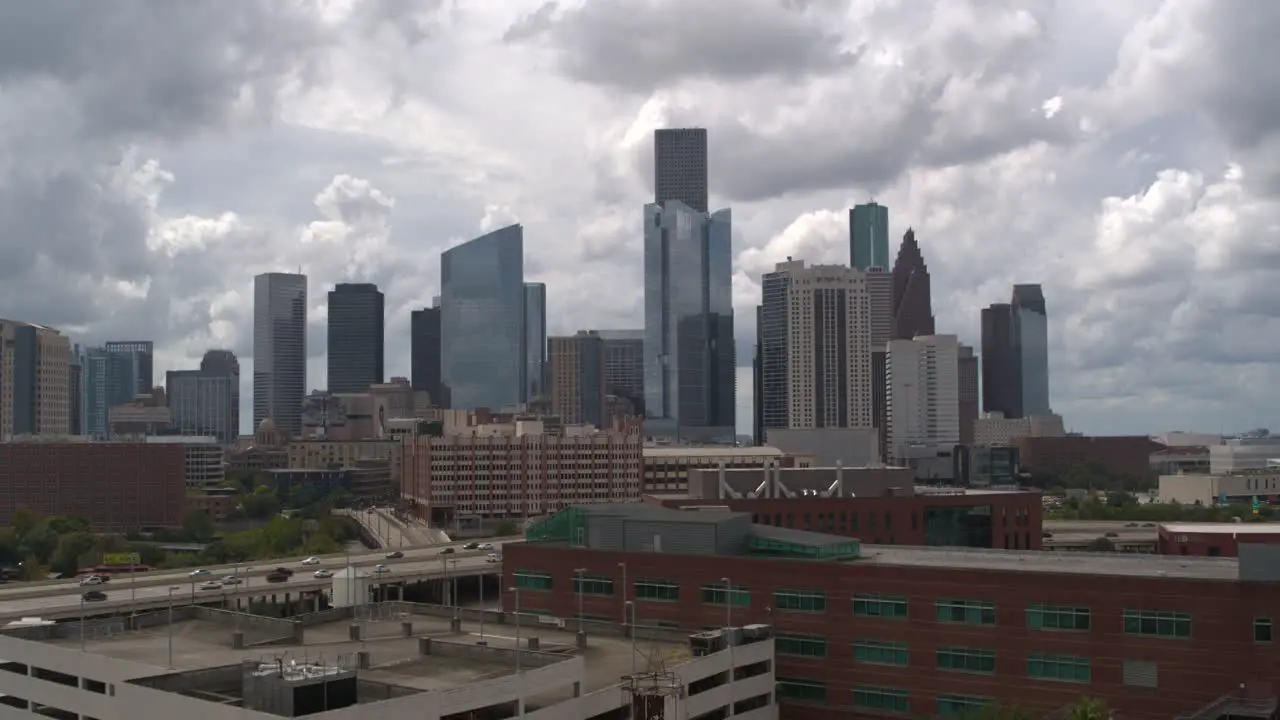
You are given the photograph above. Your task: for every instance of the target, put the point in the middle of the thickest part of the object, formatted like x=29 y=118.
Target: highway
x=417 y=563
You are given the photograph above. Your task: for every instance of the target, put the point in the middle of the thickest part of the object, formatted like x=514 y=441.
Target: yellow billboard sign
x=120 y=558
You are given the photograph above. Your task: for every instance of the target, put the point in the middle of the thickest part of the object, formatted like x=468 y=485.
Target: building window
x=886 y=606
x=814 y=601
x=529 y=580
x=660 y=590
x=718 y=594
x=880 y=652
x=1058 y=667
x=952 y=705
x=1157 y=623
x=592 y=585
x=802 y=690
x=1058 y=617
x=973 y=660
x=801 y=645
x=970 y=612
x=1262 y=629
x=885 y=700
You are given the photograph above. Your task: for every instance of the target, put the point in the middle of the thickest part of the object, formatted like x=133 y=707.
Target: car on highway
x=211 y=585
x=486 y=546
x=94 y=596
x=283 y=571
x=448 y=551
x=231 y=580
x=379 y=569
x=277 y=577
x=311 y=561
x=395 y=555
x=492 y=558
x=91 y=580
x=322 y=574
x=200 y=572
x=471 y=546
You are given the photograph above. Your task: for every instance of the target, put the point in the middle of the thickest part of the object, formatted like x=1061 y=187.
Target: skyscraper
x=1031 y=343
x=75 y=391
x=869 y=236
x=967 y=377
x=880 y=305
x=482 y=321
x=206 y=402
x=757 y=382
x=818 y=343
x=141 y=354
x=114 y=374
x=1015 y=355
x=424 y=341
x=924 y=394
x=624 y=365
x=279 y=350
x=535 y=340
x=1001 y=384
x=689 y=378
x=356 y=337
x=576 y=371
x=680 y=167
x=912 y=297
x=33 y=380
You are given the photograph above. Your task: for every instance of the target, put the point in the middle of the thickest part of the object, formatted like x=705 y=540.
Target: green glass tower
x=869 y=236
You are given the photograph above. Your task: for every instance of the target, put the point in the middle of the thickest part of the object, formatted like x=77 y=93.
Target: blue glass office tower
x=1031 y=343
x=482 y=321
x=689 y=384
x=114 y=374
x=869 y=236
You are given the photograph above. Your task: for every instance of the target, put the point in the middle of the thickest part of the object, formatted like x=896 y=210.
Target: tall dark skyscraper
x=535 y=340
x=967 y=379
x=279 y=350
x=482 y=321
x=689 y=379
x=575 y=370
x=424 y=341
x=356 y=337
x=1015 y=355
x=680 y=166
x=772 y=327
x=624 y=365
x=869 y=236
x=75 y=391
x=912 y=297
x=757 y=382
x=142 y=354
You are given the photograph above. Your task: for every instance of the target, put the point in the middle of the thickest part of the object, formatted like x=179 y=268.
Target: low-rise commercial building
x=1227 y=489
x=666 y=467
x=344 y=454
x=1213 y=539
x=1115 y=455
x=117 y=487
x=1238 y=454
x=516 y=470
x=863 y=630
x=205 y=459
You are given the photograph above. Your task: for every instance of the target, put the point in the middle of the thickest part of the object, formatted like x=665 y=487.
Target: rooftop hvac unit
x=705 y=643
x=756 y=633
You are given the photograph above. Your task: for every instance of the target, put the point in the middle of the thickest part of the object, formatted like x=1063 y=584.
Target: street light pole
x=632 y=606
x=581 y=574
x=171 y=589
x=454 y=582
x=623 y=566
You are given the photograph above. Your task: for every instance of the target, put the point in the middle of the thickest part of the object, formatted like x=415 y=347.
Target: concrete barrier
x=254 y=630
x=438 y=647
x=531 y=620
x=323 y=616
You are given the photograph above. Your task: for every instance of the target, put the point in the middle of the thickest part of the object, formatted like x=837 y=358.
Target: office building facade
x=1001 y=384
x=912 y=295
x=923 y=394
x=75 y=391
x=624 y=366
x=356 y=335
x=1030 y=325
x=424 y=341
x=680 y=167
x=577 y=378
x=817 y=348
x=34 y=382
x=967 y=376
x=482 y=321
x=140 y=356
x=689 y=346
x=869 y=236
x=535 y=341
x=279 y=350
x=206 y=402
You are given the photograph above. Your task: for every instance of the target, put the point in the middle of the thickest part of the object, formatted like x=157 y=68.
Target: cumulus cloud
x=154 y=156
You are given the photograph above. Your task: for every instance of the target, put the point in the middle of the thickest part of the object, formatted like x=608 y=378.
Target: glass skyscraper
x=482 y=321
x=535 y=340
x=869 y=236
x=279 y=350
x=356 y=333
x=114 y=374
x=1031 y=343
x=689 y=382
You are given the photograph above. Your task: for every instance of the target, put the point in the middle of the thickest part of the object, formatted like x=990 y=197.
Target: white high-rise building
x=279 y=350
x=923 y=394
x=818 y=347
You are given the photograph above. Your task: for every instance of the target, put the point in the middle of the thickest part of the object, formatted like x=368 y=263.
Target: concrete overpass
x=62 y=599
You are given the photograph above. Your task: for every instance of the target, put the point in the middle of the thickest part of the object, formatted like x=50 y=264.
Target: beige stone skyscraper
x=34 y=380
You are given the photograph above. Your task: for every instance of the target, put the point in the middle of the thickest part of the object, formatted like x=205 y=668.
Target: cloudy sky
x=155 y=155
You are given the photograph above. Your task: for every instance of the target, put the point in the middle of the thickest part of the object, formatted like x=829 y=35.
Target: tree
x=260 y=504
x=506 y=528
x=67 y=524
x=39 y=542
x=71 y=550
x=1101 y=544
x=24 y=520
x=198 y=526
x=1088 y=709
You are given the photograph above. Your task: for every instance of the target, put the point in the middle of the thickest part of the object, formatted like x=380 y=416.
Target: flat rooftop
x=1048 y=561
x=677 y=451
x=1224 y=528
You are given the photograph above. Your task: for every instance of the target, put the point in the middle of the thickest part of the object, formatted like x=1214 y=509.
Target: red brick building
x=1213 y=539
x=891 y=631
x=1119 y=455
x=118 y=487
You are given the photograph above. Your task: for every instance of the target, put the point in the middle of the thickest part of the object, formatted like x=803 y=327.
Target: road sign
x=120 y=559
